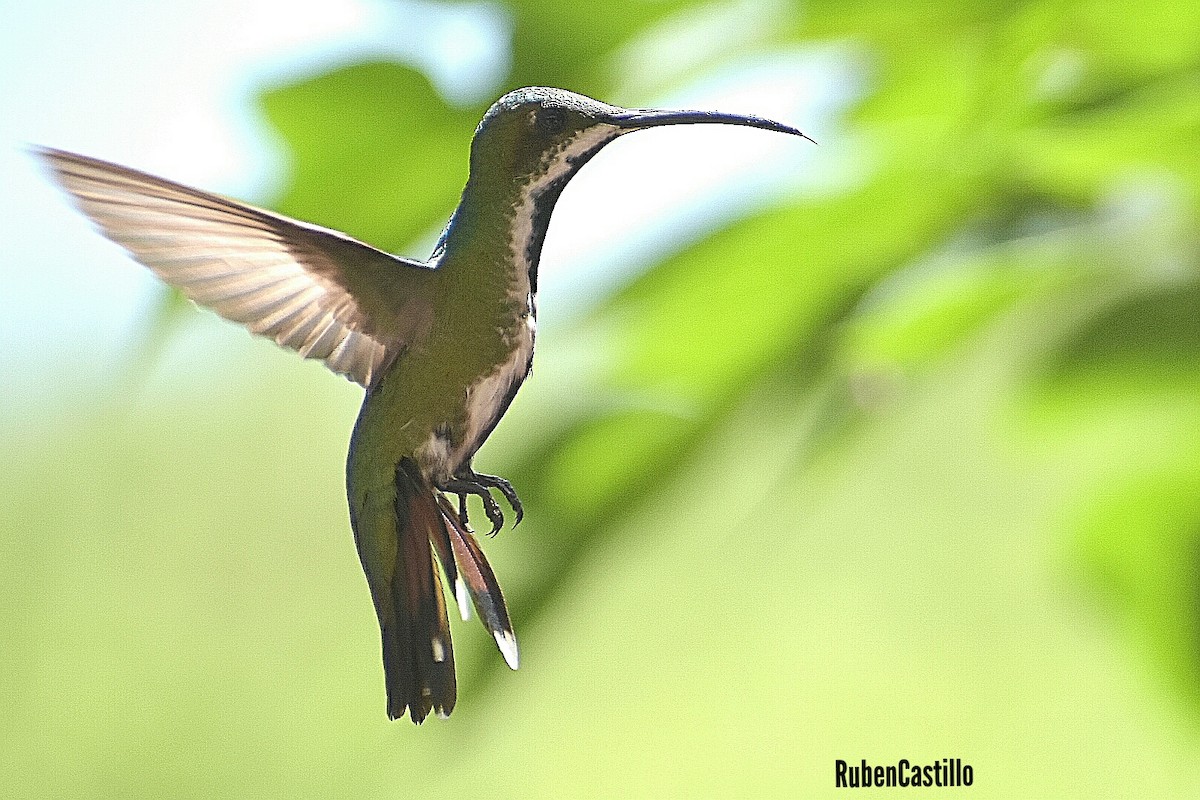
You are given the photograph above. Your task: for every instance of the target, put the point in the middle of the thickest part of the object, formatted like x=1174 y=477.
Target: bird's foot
x=505 y=488
x=480 y=485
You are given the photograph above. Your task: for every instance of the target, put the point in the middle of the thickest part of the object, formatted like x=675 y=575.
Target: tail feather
x=420 y=668
x=394 y=530
x=481 y=583
x=402 y=532
x=445 y=555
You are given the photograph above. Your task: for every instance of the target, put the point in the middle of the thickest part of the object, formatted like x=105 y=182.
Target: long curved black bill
x=630 y=121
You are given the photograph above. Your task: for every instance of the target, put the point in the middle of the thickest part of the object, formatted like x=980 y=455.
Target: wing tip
x=59 y=160
x=43 y=152
x=54 y=161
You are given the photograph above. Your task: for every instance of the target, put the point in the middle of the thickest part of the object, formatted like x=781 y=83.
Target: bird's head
x=539 y=137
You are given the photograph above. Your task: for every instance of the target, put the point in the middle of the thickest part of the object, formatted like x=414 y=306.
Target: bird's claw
x=505 y=488
x=481 y=485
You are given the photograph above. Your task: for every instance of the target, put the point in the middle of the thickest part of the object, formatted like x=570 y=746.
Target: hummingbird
x=441 y=346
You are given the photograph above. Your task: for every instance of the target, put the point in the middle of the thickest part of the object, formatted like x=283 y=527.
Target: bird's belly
x=451 y=445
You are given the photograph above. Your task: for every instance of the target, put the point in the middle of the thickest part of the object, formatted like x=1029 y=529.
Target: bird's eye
x=550 y=121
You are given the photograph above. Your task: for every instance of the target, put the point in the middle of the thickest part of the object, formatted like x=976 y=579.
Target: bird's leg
x=468 y=481
x=496 y=482
x=462 y=510
x=505 y=488
x=463 y=486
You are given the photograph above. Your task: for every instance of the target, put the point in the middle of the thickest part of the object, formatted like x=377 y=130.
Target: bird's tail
x=397 y=546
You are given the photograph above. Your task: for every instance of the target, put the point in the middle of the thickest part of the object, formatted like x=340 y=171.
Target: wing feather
x=314 y=290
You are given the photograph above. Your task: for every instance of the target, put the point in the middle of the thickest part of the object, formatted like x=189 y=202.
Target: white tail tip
x=507 y=643
x=462 y=598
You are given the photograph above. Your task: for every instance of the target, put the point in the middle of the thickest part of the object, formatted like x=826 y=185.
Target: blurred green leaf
x=376 y=152
x=1154 y=334
x=737 y=303
x=566 y=43
x=1158 y=39
x=1139 y=541
x=1083 y=155
x=917 y=316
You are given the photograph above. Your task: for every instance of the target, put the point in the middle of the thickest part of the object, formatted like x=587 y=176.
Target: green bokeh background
x=910 y=469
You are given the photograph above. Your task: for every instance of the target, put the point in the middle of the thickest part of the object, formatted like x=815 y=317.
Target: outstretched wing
x=317 y=291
